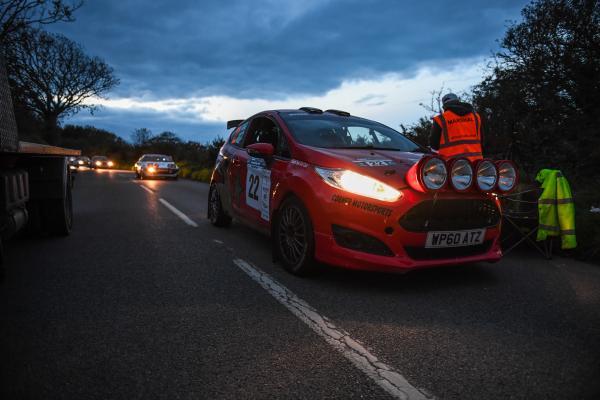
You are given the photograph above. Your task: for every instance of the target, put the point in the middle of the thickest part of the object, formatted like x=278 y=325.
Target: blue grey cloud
x=123 y=122
x=274 y=49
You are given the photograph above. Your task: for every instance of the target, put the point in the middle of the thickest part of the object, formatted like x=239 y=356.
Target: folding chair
x=520 y=212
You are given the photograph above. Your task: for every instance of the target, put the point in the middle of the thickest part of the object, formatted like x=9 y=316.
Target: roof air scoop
x=311 y=110
x=339 y=112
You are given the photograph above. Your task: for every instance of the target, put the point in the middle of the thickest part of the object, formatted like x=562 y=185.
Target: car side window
x=262 y=130
x=237 y=138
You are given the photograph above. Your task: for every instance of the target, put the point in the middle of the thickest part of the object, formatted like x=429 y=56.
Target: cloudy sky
x=187 y=66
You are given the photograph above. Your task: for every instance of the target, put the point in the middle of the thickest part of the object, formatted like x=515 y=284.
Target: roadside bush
x=202 y=175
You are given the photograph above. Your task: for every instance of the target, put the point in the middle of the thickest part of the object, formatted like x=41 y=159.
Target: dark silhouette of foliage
x=16 y=15
x=93 y=141
x=52 y=77
x=541 y=98
x=418 y=132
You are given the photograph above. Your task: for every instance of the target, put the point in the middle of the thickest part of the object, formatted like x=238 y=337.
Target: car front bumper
x=402 y=228
x=166 y=173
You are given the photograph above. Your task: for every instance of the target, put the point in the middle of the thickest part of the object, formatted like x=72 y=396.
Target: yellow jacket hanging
x=556 y=208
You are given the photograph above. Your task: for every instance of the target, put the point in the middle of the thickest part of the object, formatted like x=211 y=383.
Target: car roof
x=155 y=155
x=310 y=111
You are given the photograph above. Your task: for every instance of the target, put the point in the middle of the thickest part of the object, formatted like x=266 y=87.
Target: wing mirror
x=261 y=150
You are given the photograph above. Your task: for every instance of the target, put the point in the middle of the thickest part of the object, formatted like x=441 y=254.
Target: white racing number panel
x=258 y=186
x=470 y=237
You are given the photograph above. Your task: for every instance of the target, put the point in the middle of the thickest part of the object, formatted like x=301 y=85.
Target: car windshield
x=100 y=158
x=340 y=132
x=157 y=158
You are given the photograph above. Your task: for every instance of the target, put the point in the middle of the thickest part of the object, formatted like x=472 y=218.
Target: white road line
x=218 y=241
x=146 y=189
x=181 y=215
x=384 y=375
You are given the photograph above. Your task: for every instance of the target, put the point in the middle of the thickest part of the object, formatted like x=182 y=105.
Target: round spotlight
x=461 y=174
x=507 y=175
x=487 y=175
x=434 y=173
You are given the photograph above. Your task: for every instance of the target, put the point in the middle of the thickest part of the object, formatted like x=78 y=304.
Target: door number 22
x=254 y=180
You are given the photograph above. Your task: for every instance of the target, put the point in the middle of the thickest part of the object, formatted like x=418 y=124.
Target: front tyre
x=216 y=214
x=294 y=238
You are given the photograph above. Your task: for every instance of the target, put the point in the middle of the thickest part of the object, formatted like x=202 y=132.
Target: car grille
x=450 y=215
x=423 y=253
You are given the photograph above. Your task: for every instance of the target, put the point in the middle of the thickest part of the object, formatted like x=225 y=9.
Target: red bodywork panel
x=328 y=206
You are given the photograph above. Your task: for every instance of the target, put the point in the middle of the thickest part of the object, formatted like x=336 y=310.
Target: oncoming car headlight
x=487 y=175
x=151 y=169
x=110 y=163
x=507 y=175
x=98 y=163
x=461 y=174
x=356 y=183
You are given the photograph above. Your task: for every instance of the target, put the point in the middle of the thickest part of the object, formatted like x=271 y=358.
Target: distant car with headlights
x=347 y=191
x=156 y=166
x=83 y=161
x=101 y=162
x=72 y=161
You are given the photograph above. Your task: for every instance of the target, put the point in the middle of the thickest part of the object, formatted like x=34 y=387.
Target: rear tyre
x=294 y=238
x=216 y=214
x=57 y=214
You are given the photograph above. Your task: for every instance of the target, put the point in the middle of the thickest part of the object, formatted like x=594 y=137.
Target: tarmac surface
x=139 y=303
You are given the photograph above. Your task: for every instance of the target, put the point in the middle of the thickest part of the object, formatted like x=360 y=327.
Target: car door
x=255 y=174
x=233 y=193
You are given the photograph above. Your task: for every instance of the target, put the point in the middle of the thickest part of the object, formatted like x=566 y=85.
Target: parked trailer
x=35 y=180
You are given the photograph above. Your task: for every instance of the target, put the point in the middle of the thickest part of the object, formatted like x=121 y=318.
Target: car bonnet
x=388 y=166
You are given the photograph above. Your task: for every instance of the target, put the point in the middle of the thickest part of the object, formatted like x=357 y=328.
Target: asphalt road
x=138 y=303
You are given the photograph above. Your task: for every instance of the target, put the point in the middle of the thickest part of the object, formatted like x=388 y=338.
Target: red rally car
x=347 y=191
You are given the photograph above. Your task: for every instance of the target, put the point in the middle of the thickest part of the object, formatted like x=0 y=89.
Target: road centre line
x=172 y=208
x=181 y=215
x=146 y=189
x=383 y=375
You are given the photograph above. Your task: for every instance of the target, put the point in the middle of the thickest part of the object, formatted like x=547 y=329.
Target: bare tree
x=52 y=76
x=19 y=14
x=435 y=105
x=141 y=136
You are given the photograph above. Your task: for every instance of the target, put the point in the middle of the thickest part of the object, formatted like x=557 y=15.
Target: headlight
x=461 y=174
x=487 y=175
x=151 y=170
x=110 y=163
x=80 y=162
x=353 y=182
x=507 y=175
x=98 y=163
x=434 y=173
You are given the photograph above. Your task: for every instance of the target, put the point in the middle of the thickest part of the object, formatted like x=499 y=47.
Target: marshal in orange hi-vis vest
x=461 y=135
